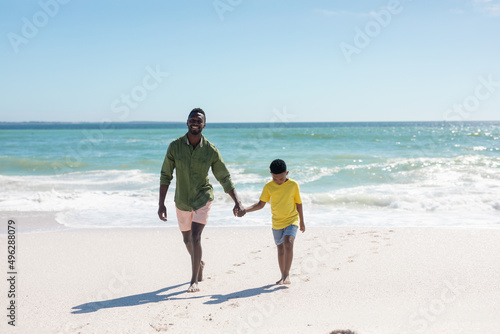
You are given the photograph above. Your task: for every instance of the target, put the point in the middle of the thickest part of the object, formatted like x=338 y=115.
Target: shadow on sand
x=143 y=298
x=218 y=299
x=156 y=296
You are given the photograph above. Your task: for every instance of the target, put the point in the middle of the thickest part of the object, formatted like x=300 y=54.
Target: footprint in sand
x=230 y=272
x=182 y=312
x=161 y=326
x=352 y=257
x=69 y=328
x=238 y=264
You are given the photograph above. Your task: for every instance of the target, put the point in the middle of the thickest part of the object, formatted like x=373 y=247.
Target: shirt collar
x=201 y=141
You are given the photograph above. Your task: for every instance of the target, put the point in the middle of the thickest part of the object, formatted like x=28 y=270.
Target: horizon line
x=236 y=122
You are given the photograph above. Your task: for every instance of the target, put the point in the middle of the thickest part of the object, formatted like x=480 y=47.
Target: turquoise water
x=380 y=174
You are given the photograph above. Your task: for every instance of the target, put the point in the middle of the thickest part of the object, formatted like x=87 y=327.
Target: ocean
x=93 y=175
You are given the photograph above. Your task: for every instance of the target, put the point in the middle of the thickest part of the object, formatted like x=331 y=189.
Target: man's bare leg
x=200 y=273
x=189 y=247
x=192 y=240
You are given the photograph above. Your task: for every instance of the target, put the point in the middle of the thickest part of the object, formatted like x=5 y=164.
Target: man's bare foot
x=280 y=282
x=193 y=288
x=200 y=273
x=287 y=280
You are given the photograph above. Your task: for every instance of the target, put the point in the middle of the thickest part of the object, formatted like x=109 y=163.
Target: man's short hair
x=278 y=166
x=198 y=110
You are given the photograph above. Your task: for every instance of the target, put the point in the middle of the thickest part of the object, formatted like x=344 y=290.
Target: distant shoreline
x=34 y=125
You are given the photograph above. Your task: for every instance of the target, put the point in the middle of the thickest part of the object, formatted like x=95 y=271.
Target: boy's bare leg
x=288 y=257
x=192 y=240
x=281 y=261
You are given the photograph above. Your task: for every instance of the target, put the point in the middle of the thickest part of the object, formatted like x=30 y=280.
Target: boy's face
x=281 y=178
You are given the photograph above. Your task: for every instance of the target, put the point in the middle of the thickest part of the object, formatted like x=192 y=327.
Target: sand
x=367 y=280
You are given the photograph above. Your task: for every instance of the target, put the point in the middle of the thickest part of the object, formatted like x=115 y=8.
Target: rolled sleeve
x=167 y=169
x=221 y=173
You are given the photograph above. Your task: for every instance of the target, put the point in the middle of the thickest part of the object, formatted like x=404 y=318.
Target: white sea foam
x=457 y=191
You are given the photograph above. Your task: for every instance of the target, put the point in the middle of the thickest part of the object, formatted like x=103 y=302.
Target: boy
x=286 y=207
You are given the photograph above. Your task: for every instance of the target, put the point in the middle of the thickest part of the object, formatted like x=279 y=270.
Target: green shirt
x=191 y=166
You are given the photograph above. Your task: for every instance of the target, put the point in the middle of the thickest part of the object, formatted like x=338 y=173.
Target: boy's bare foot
x=280 y=282
x=287 y=280
x=200 y=273
x=193 y=288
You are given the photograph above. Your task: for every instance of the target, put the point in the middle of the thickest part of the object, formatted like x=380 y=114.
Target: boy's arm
x=301 y=216
x=254 y=207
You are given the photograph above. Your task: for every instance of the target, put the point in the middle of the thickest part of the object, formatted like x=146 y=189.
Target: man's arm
x=238 y=207
x=301 y=217
x=167 y=171
x=222 y=175
x=162 y=209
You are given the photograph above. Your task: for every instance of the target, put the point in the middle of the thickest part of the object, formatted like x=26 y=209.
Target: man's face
x=196 y=123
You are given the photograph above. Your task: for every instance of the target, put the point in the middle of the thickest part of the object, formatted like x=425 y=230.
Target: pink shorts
x=200 y=216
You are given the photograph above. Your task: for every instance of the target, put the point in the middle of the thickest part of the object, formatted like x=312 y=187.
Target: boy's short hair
x=198 y=110
x=278 y=166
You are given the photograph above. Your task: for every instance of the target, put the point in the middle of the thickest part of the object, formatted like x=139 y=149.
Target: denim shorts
x=279 y=235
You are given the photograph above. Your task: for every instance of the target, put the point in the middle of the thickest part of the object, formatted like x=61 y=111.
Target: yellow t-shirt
x=283 y=199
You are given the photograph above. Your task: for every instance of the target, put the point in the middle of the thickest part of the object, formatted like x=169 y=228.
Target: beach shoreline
x=368 y=280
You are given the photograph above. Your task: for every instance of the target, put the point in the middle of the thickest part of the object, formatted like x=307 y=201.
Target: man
x=192 y=156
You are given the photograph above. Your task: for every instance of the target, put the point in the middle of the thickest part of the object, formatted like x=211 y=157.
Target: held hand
x=162 y=212
x=237 y=209
x=241 y=213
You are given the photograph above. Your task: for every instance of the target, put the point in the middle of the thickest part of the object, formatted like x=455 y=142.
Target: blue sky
x=250 y=61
